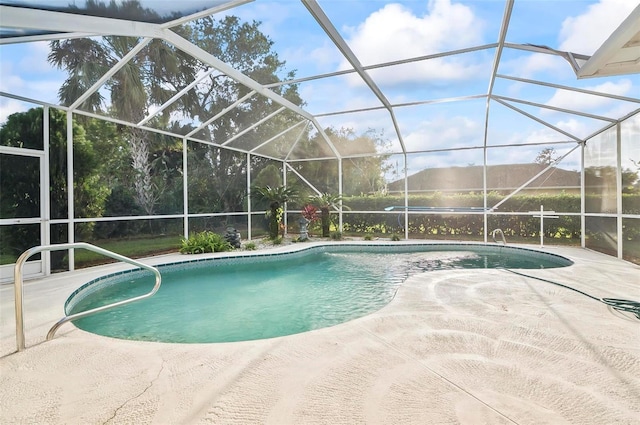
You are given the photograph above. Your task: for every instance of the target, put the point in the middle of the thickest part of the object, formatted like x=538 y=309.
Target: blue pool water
x=224 y=300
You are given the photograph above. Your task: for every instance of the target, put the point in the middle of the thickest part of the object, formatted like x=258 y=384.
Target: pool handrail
x=493 y=235
x=18 y=286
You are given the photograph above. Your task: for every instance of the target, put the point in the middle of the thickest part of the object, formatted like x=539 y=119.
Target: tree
x=630 y=180
x=147 y=79
x=547 y=156
x=276 y=197
x=20 y=195
x=325 y=202
x=361 y=175
x=244 y=47
x=157 y=73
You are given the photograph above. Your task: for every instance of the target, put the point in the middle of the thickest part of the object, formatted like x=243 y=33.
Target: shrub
x=202 y=242
x=368 y=236
x=395 y=237
x=277 y=241
x=250 y=246
x=336 y=236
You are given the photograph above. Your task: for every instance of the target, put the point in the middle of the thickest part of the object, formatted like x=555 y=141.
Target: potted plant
x=309 y=214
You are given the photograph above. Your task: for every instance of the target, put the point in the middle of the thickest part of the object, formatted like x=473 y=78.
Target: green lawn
x=133 y=248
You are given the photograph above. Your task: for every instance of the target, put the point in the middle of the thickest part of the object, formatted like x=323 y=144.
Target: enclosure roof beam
x=506 y=18
x=402 y=105
x=43 y=37
x=544 y=49
x=204 y=13
x=282 y=133
x=325 y=23
x=125 y=123
x=228 y=70
x=110 y=73
x=231 y=148
x=532 y=179
x=603 y=129
x=286 y=158
x=554 y=108
x=568 y=56
x=383 y=65
x=233 y=73
x=575 y=89
x=253 y=126
x=47 y=20
x=533 y=117
x=301 y=177
x=177 y=95
x=221 y=113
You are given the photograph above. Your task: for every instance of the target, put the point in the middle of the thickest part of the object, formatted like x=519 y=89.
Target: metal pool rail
x=20 y=341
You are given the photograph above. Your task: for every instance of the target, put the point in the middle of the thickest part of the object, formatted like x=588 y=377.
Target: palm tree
x=325 y=202
x=276 y=197
x=142 y=81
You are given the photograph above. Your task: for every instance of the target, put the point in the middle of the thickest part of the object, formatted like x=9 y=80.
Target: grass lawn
x=132 y=248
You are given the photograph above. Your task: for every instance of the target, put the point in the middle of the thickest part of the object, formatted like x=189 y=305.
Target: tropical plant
x=204 y=242
x=310 y=212
x=276 y=197
x=155 y=75
x=325 y=202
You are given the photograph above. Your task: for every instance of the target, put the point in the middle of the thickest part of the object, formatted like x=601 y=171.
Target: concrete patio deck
x=464 y=346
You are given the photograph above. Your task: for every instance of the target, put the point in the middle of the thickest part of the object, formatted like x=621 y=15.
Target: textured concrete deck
x=467 y=346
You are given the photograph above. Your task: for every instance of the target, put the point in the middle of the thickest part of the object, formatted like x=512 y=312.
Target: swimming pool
x=269 y=295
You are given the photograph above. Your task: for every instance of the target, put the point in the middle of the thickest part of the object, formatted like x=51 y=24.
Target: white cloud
x=35 y=59
x=586 y=32
x=433 y=71
x=394 y=33
x=26 y=72
x=11 y=106
x=444 y=133
x=587 y=102
x=530 y=65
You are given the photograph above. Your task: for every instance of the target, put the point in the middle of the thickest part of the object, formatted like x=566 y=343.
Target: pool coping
x=378 y=367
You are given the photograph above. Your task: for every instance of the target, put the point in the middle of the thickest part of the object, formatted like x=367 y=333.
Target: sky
x=381 y=31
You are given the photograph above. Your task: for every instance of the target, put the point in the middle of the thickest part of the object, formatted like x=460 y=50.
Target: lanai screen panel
x=361 y=133
x=443 y=125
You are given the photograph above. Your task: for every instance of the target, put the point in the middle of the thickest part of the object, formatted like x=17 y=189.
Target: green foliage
x=277 y=240
x=250 y=246
x=336 y=236
x=204 y=242
x=271 y=175
x=325 y=202
x=368 y=236
x=20 y=196
x=132 y=248
x=470 y=226
x=217 y=177
x=395 y=237
x=275 y=197
x=361 y=175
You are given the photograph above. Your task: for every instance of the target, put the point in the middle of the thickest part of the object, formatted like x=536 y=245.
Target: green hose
x=628 y=306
